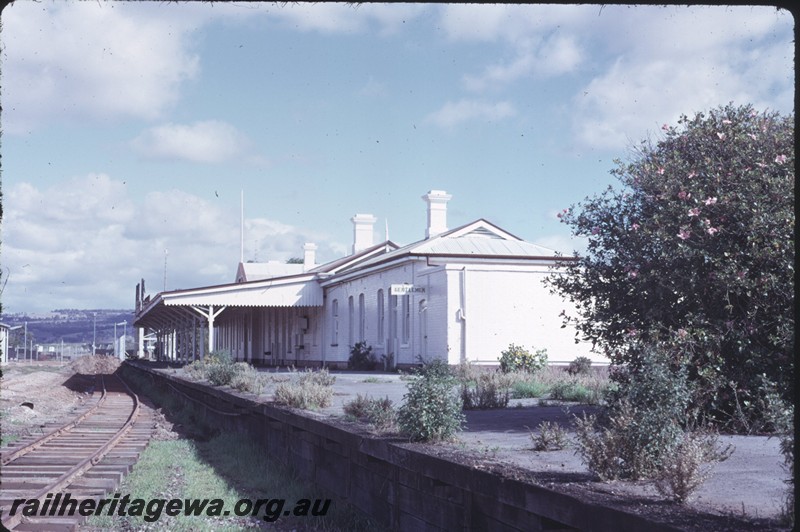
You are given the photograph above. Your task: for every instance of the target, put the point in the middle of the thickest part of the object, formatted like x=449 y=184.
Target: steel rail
x=85 y=464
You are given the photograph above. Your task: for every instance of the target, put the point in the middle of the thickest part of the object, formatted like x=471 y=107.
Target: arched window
x=381 y=318
x=362 y=319
x=351 y=314
x=335 y=324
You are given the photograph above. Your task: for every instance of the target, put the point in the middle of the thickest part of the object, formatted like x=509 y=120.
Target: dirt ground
x=33 y=395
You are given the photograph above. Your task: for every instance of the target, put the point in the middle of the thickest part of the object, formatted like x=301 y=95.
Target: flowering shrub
x=696 y=247
x=517 y=358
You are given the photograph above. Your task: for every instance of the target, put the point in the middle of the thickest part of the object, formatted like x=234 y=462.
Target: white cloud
x=84 y=243
x=79 y=60
x=455 y=113
x=553 y=56
x=346 y=18
x=201 y=142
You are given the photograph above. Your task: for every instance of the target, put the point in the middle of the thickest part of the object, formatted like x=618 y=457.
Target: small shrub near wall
x=431 y=410
x=517 y=358
x=361 y=357
x=483 y=388
x=580 y=366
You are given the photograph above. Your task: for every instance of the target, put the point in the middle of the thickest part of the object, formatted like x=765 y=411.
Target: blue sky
x=132 y=128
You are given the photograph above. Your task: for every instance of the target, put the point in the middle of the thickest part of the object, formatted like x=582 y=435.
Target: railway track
x=86 y=458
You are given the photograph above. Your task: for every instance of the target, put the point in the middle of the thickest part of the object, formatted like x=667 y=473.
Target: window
x=335 y=324
x=351 y=311
x=381 y=318
x=406 y=331
x=362 y=319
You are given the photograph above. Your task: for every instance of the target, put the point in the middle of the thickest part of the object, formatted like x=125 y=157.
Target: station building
x=461 y=294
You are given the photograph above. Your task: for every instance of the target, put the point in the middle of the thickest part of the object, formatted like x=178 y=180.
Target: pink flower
x=635 y=227
x=713 y=231
x=726 y=121
x=691 y=174
x=660 y=171
x=595 y=230
x=780 y=159
x=684 y=195
x=665 y=127
x=633 y=274
x=721 y=136
x=684 y=234
x=632 y=332
x=694 y=212
x=710 y=201
x=682 y=333
x=752 y=136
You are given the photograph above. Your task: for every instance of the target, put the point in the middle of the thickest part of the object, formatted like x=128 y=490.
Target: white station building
x=461 y=294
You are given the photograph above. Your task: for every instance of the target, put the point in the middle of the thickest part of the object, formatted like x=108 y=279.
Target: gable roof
x=256 y=271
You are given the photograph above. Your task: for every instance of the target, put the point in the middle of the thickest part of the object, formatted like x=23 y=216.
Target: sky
x=132 y=130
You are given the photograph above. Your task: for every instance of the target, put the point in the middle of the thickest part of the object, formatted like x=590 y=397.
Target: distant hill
x=72 y=326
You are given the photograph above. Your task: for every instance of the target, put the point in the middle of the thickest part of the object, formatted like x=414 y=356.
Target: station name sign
x=404 y=289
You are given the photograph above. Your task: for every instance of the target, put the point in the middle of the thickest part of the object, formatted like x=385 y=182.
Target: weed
x=321 y=377
x=431 y=410
x=687 y=467
x=482 y=388
x=307 y=395
x=551 y=437
x=528 y=388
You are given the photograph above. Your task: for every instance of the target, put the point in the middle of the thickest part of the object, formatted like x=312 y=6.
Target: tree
x=696 y=249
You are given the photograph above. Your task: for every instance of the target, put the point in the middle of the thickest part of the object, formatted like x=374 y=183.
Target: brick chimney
x=437 y=212
x=362 y=231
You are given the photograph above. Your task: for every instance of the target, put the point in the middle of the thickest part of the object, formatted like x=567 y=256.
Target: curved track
x=86 y=457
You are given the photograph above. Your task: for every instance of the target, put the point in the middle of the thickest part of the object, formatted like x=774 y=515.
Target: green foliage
x=219 y=368
x=247 y=379
x=685 y=469
x=517 y=358
x=572 y=390
x=483 y=388
x=551 y=437
x=361 y=357
x=580 y=366
x=528 y=388
x=308 y=396
x=378 y=412
x=321 y=377
x=696 y=247
x=431 y=410
x=646 y=413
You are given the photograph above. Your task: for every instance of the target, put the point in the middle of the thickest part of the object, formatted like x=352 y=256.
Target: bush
x=551 y=437
x=361 y=357
x=697 y=244
x=687 y=467
x=321 y=377
x=431 y=410
x=572 y=391
x=482 y=389
x=308 y=395
x=644 y=420
x=580 y=366
x=528 y=388
x=378 y=412
x=247 y=379
x=219 y=368
x=517 y=358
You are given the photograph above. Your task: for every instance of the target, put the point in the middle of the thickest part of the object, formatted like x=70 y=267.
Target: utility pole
x=94 y=335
